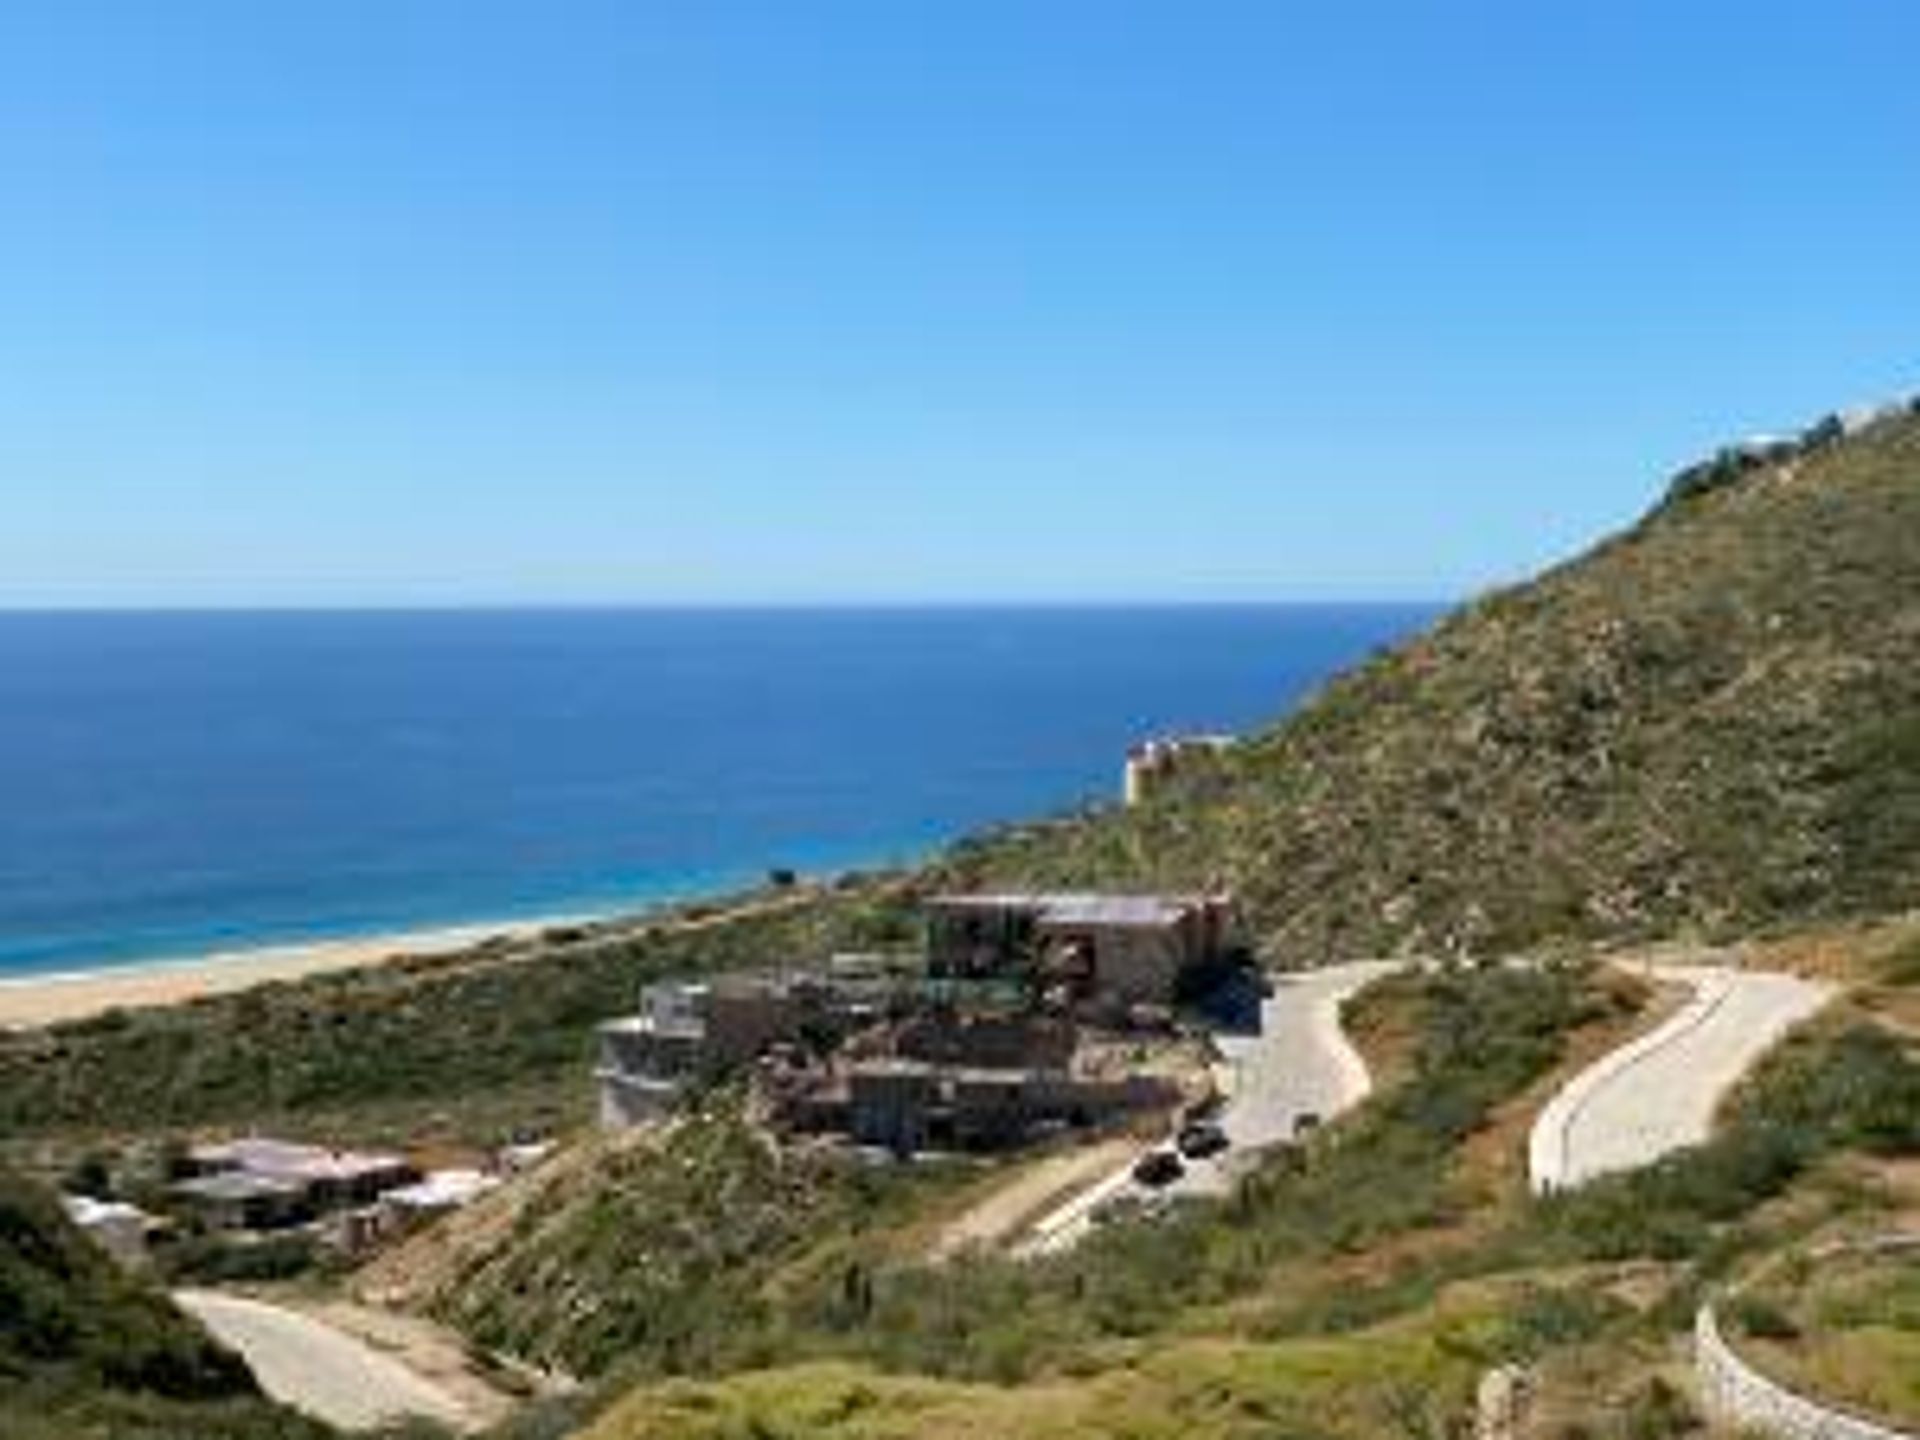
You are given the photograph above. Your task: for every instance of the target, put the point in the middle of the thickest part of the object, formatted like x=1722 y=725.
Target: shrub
x=1759 y=1318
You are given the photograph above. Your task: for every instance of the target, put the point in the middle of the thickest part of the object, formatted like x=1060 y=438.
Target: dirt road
x=316 y=1368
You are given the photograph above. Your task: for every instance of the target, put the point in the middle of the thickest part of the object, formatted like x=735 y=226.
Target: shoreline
x=32 y=1000
x=36 y=1000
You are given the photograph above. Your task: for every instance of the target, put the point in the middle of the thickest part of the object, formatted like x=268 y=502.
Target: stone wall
x=1736 y=1394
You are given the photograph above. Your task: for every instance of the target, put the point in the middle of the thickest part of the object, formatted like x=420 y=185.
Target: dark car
x=1200 y=1138
x=1208 y=1107
x=1157 y=1168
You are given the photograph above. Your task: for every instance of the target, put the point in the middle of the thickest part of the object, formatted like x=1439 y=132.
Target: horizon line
x=429 y=607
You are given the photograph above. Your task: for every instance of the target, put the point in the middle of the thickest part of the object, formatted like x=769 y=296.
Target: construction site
x=1022 y=1016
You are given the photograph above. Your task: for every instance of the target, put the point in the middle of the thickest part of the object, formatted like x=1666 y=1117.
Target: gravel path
x=315 y=1368
x=1658 y=1093
x=1299 y=1062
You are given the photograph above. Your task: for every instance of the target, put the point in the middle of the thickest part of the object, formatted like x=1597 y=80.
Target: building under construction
x=987 y=1039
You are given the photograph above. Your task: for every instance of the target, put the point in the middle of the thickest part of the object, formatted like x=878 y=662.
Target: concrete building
x=686 y=1032
x=986 y=1041
x=1152 y=762
x=647 y=1059
x=907 y=1105
x=972 y=1046
x=890 y=1103
x=1107 y=953
x=235 y=1200
x=121 y=1230
x=440 y=1193
x=323 y=1179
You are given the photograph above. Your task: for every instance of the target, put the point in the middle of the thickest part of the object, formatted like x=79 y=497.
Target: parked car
x=1208 y=1107
x=1158 y=1167
x=1200 y=1138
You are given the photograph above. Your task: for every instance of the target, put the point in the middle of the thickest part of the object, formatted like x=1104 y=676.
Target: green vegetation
x=87 y=1350
x=1385 y=1384
x=712 y=1255
x=1710 y=726
x=1850 y=1088
x=665 y=1250
x=1707 y=724
x=474 y=1045
x=1844 y=1327
x=1380 y=1271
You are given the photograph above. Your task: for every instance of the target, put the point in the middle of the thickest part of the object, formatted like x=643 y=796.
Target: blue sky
x=384 y=301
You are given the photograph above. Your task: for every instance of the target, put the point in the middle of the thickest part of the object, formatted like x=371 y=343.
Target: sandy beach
x=46 y=999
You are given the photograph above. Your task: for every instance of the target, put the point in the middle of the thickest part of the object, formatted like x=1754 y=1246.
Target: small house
x=236 y=1200
x=1106 y=952
x=121 y=1230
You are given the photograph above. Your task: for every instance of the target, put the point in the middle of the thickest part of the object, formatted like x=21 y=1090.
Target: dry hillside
x=1710 y=723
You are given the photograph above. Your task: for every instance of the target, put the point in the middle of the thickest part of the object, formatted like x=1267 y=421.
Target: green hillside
x=1708 y=724
x=88 y=1351
x=1359 y=1288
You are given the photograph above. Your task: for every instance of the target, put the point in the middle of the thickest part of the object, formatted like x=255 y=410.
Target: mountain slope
x=1710 y=723
x=86 y=1350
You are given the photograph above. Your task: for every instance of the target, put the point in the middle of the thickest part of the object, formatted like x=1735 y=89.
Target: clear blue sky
x=379 y=301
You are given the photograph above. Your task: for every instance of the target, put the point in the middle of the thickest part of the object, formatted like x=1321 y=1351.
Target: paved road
x=1658 y=1094
x=315 y=1368
x=1297 y=1062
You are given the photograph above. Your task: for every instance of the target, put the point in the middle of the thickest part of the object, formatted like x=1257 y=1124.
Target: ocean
x=174 y=784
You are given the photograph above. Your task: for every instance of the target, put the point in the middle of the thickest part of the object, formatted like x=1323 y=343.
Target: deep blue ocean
x=173 y=784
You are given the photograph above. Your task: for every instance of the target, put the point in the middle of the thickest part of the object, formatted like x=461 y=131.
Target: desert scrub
x=1841 y=1326
x=1481 y=1034
x=1833 y=1088
x=663 y=1253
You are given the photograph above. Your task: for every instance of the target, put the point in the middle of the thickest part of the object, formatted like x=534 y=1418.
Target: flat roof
x=236 y=1185
x=84 y=1210
x=443 y=1188
x=290 y=1160
x=1079 y=907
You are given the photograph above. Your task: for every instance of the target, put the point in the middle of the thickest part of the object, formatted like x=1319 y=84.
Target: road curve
x=1299 y=1062
x=1658 y=1093
x=317 y=1369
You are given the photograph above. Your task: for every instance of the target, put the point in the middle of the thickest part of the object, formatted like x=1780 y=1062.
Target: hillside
x=639 y=1243
x=1361 y=1286
x=86 y=1350
x=1708 y=724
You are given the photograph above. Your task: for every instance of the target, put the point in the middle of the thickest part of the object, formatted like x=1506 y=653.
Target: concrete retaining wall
x=1736 y=1394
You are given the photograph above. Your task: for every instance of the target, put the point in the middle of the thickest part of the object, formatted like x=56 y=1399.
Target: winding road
x=314 y=1368
x=1658 y=1093
x=1297 y=1062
